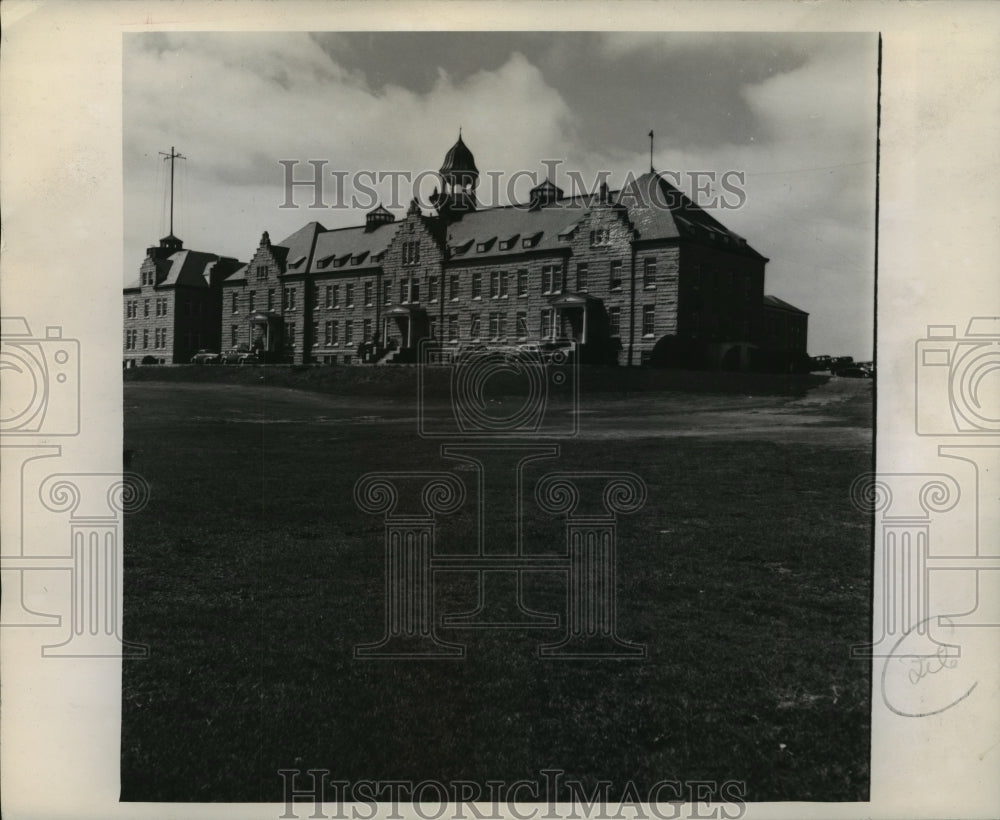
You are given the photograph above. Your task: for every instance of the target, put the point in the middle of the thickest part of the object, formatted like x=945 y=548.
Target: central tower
x=459 y=178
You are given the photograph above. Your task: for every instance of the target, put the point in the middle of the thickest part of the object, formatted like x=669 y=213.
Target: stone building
x=631 y=276
x=172 y=310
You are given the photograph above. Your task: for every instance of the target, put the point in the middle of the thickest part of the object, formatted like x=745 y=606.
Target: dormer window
x=482 y=247
x=531 y=241
x=507 y=244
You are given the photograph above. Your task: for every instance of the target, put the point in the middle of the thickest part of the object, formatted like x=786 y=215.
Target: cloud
x=794 y=113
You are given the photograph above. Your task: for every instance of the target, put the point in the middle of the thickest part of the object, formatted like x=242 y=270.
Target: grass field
x=251 y=575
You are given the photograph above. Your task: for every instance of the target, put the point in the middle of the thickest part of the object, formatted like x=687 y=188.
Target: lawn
x=252 y=575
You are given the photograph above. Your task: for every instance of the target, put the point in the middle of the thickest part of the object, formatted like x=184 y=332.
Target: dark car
x=233 y=355
x=853 y=372
x=205 y=357
x=820 y=363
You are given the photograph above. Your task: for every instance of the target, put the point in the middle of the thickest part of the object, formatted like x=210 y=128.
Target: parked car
x=232 y=356
x=248 y=357
x=560 y=350
x=206 y=357
x=853 y=372
x=820 y=363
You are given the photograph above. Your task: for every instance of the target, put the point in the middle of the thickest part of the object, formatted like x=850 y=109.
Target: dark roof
x=351 y=248
x=294 y=253
x=659 y=210
x=514 y=229
x=459 y=159
x=781 y=304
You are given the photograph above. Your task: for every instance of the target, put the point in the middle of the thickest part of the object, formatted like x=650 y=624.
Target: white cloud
x=236 y=104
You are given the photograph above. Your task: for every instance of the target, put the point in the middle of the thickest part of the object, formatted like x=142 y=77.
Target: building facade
x=172 y=310
x=632 y=276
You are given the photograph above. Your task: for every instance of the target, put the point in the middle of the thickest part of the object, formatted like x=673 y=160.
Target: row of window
x=159 y=339
x=160 y=306
x=498 y=326
x=499 y=284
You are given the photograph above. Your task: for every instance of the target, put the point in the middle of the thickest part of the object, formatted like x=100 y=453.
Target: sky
x=795 y=114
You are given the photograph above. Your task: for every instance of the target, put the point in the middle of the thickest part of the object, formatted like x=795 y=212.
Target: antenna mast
x=171 y=156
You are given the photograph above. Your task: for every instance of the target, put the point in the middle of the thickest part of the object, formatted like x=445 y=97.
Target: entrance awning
x=573 y=300
x=264 y=318
x=404 y=311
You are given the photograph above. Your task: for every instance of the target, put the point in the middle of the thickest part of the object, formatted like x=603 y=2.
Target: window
x=615 y=281
x=291 y=298
x=433 y=327
x=494 y=284
x=145 y=338
x=336 y=296
x=253 y=299
x=328 y=333
x=414 y=290
x=349 y=294
x=453 y=327
x=504 y=287
x=290 y=334
x=552 y=279
x=615 y=320
x=411 y=252
x=546 y=323
x=600 y=236
x=522 y=324
x=494 y=325
x=582 y=275
x=334 y=333
x=648 y=320
x=403 y=290
x=477 y=285
x=453 y=287
x=367 y=329
x=145 y=307
x=315 y=294
x=348 y=332
x=262 y=271
x=234 y=306
x=522 y=283
x=475 y=325
x=432 y=288
x=234 y=335
x=329 y=296
x=270 y=299
x=649 y=273
x=387 y=291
